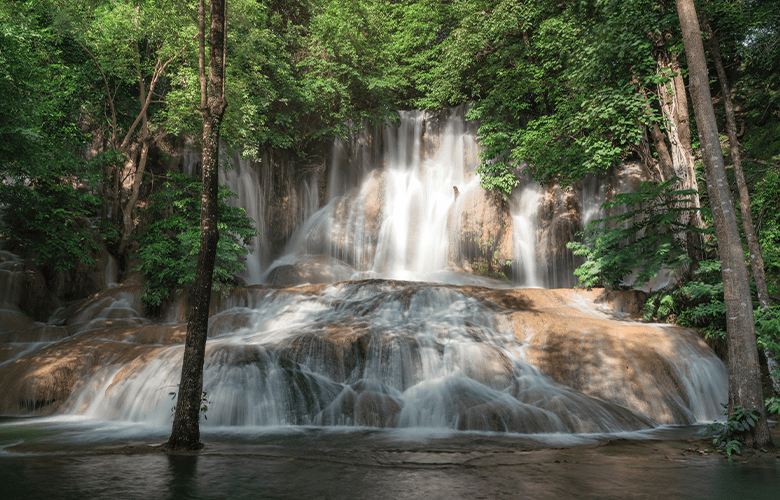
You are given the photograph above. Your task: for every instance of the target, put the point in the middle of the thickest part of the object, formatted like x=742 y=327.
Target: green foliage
x=643 y=240
x=415 y=47
x=170 y=245
x=490 y=266
x=702 y=301
x=697 y=303
x=766 y=217
x=700 y=304
x=47 y=198
x=773 y=405
x=768 y=329
x=730 y=435
x=557 y=88
x=347 y=74
x=754 y=32
x=47 y=215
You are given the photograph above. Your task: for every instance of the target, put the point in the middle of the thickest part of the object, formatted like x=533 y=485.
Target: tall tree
x=744 y=374
x=185 y=434
x=134 y=48
x=754 y=247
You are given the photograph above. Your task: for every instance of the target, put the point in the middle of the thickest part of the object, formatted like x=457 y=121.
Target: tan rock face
x=480 y=227
x=559 y=221
x=41 y=381
x=312 y=269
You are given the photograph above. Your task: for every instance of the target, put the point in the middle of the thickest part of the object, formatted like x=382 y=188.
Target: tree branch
x=158 y=71
x=108 y=91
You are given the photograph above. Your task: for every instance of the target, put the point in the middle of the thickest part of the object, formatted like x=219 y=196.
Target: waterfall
x=404 y=202
x=377 y=314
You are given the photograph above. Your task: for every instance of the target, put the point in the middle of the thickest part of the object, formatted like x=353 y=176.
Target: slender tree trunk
x=665 y=164
x=185 y=433
x=744 y=372
x=664 y=168
x=756 y=259
x=674 y=108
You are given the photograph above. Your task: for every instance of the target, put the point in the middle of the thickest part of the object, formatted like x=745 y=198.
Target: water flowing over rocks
x=376 y=353
x=403 y=201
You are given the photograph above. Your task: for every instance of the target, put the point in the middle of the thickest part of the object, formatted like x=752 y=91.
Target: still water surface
x=87 y=460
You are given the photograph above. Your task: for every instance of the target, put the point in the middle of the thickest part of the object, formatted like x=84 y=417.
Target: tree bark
x=665 y=164
x=185 y=433
x=674 y=108
x=744 y=372
x=664 y=169
x=756 y=259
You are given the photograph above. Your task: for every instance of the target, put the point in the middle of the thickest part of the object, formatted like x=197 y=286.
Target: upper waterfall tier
x=403 y=201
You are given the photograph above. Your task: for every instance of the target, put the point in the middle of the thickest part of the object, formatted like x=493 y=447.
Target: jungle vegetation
x=96 y=94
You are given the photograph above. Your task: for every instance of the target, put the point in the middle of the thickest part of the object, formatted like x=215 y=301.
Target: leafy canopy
x=47 y=198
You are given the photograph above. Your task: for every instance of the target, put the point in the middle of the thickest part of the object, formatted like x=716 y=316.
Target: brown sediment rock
x=13 y=321
x=559 y=220
x=630 y=364
x=480 y=226
x=599 y=361
x=42 y=379
x=602 y=354
x=312 y=269
x=35 y=299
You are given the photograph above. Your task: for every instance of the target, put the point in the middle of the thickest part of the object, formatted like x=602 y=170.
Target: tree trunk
x=744 y=372
x=664 y=169
x=674 y=108
x=185 y=434
x=756 y=259
x=665 y=164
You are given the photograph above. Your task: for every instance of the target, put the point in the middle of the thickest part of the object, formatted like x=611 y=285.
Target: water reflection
x=377 y=464
x=182 y=476
x=579 y=474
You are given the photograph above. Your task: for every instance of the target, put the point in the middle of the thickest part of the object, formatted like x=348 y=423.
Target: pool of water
x=79 y=459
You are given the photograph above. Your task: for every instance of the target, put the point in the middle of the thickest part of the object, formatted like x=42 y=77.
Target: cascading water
x=436 y=351
x=390 y=207
x=383 y=354
x=404 y=202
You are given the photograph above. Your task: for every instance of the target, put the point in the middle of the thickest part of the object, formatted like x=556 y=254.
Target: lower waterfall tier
x=375 y=353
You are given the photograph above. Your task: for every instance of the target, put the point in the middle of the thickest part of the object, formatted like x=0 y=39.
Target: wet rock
x=312 y=269
x=81 y=281
x=480 y=227
x=559 y=222
x=35 y=299
x=508 y=416
x=286 y=274
x=635 y=366
x=43 y=379
x=377 y=353
x=376 y=410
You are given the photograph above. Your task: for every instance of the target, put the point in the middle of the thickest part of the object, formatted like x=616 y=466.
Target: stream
x=71 y=459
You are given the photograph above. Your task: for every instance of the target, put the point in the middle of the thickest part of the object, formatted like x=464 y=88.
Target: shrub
x=170 y=244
